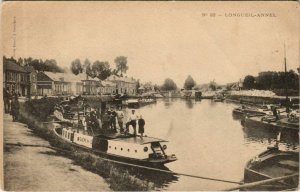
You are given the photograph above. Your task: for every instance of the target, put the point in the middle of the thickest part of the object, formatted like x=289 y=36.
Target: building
x=107 y=88
x=50 y=83
x=124 y=85
x=15 y=78
x=32 y=79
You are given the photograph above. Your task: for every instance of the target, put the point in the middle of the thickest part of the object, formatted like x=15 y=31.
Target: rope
x=258 y=183
x=138 y=166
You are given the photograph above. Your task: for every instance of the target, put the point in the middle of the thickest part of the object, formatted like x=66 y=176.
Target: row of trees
x=170 y=85
x=37 y=64
x=272 y=80
x=100 y=69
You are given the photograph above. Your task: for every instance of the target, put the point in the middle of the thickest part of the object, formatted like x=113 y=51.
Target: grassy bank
x=34 y=112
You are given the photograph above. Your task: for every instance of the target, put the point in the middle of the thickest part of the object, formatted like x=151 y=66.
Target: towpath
x=40 y=168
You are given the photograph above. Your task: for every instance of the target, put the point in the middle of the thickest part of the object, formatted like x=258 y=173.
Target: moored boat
x=136 y=103
x=146 y=151
x=251 y=111
x=273 y=163
x=271 y=122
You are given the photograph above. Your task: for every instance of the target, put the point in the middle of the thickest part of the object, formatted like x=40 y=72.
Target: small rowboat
x=273 y=163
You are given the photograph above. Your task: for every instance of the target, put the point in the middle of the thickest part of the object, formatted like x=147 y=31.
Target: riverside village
x=161 y=114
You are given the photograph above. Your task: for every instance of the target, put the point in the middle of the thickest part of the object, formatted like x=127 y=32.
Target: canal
x=207 y=140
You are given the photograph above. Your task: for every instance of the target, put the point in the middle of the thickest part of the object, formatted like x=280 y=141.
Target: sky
x=160 y=39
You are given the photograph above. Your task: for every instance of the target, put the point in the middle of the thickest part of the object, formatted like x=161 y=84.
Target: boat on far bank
x=136 y=103
x=283 y=122
x=244 y=110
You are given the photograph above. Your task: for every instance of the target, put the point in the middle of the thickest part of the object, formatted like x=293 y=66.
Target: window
x=135 y=151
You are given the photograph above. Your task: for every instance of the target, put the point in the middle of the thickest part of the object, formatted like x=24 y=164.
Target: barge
x=145 y=151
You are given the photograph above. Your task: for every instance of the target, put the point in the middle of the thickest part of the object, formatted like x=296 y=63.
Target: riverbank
x=39 y=168
x=34 y=112
x=260 y=100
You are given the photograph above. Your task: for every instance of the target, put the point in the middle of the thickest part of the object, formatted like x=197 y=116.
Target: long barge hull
x=157 y=163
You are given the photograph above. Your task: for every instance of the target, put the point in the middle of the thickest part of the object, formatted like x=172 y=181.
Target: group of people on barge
x=111 y=121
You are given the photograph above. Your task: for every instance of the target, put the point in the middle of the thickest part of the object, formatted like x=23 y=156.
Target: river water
x=207 y=141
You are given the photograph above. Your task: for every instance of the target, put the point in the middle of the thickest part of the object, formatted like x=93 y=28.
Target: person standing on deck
x=113 y=116
x=105 y=121
x=120 y=117
x=141 y=123
x=132 y=121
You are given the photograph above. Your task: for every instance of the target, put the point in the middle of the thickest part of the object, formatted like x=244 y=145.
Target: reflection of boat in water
x=146 y=151
x=218 y=98
x=273 y=163
x=288 y=137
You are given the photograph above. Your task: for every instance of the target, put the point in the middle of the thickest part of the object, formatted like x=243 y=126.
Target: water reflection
x=289 y=138
x=206 y=139
x=189 y=103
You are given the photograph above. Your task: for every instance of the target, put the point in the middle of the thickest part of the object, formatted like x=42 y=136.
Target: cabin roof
x=131 y=138
x=139 y=140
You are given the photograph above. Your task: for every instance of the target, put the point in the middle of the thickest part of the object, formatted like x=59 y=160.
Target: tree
x=20 y=61
x=169 y=85
x=121 y=64
x=249 y=82
x=189 y=83
x=213 y=85
x=76 y=67
x=101 y=69
x=138 y=84
x=88 y=68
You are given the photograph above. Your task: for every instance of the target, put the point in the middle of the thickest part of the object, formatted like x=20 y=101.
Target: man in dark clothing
x=6 y=98
x=275 y=113
x=105 y=121
x=141 y=123
x=112 y=120
x=15 y=106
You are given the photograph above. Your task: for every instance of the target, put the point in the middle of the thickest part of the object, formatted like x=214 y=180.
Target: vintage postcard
x=142 y=96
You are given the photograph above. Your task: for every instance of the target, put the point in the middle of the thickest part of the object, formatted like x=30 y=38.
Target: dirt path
x=40 y=168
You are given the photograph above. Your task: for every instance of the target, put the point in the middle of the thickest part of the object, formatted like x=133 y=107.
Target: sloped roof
x=41 y=76
x=54 y=76
x=12 y=66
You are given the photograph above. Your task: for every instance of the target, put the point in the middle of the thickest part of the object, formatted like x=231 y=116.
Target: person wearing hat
x=141 y=123
x=132 y=121
x=120 y=117
x=112 y=119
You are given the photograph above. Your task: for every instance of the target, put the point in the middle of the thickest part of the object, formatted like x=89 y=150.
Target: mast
x=286 y=83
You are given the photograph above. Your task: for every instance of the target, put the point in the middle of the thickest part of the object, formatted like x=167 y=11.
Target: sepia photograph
x=150 y=95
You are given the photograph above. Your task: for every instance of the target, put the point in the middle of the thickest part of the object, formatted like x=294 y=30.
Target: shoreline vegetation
x=35 y=112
